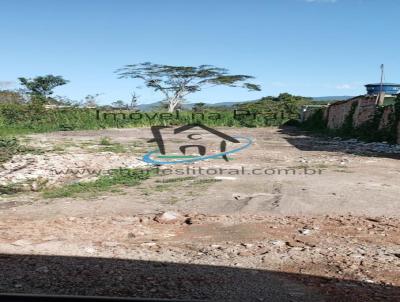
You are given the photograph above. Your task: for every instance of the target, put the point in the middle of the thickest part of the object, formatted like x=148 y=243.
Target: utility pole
x=381 y=95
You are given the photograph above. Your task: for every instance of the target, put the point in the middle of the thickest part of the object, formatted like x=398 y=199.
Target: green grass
x=111 y=182
x=105 y=141
x=173 y=200
x=10 y=146
x=18 y=119
x=176 y=179
x=162 y=188
x=115 y=148
x=58 y=148
x=206 y=181
x=10 y=131
x=10 y=189
x=108 y=146
x=166 y=184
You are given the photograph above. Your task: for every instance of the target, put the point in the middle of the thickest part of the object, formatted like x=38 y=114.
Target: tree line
x=175 y=83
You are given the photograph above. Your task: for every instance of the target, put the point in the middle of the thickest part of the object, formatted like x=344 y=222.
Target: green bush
x=316 y=122
x=8 y=147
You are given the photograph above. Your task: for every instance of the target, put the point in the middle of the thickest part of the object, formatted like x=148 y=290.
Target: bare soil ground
x=329 y=231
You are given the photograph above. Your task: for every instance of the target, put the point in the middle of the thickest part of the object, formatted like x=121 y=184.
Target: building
x=384 y=93
x=389 y=89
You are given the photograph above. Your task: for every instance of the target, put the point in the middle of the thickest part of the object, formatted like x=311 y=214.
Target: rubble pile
x=53 y=168
x=357 y=146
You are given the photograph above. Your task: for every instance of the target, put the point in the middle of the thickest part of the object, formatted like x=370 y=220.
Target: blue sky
x=304 y=47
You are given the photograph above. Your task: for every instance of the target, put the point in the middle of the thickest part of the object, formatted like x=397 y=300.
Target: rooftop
x=384 y=84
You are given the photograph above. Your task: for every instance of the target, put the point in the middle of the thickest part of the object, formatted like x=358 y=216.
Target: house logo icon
x=193 y=144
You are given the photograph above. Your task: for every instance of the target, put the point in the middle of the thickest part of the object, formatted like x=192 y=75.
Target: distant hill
x=227 y=104
x=332 y=98
x=188 y=106
x=149 y=107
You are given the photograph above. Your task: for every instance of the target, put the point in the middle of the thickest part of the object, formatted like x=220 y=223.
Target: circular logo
x=148 y=157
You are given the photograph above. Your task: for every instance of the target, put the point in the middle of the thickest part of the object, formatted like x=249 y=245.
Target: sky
x=303 y=47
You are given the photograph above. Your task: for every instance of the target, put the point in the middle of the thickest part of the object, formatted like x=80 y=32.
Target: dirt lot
x=327 y=231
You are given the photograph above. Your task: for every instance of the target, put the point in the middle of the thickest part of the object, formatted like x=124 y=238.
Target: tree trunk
x=172 y=103
x=171 y=107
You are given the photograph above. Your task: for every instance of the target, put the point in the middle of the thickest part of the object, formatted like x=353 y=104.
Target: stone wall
x=398 y=133
x=365 y=108
x=337 y=113
x=385 y=117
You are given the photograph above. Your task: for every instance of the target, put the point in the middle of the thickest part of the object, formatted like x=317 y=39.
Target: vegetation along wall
x=360 y=117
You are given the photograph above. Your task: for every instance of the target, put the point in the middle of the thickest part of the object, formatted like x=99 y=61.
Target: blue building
x=387 y=88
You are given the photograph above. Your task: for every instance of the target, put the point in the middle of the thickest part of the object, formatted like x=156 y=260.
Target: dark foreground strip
x=56 y=298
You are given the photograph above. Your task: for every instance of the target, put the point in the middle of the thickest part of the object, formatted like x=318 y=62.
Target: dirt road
x=301 y=219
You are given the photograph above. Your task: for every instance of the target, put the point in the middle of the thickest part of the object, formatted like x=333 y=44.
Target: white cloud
x=6 y=84
x=343 y=86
